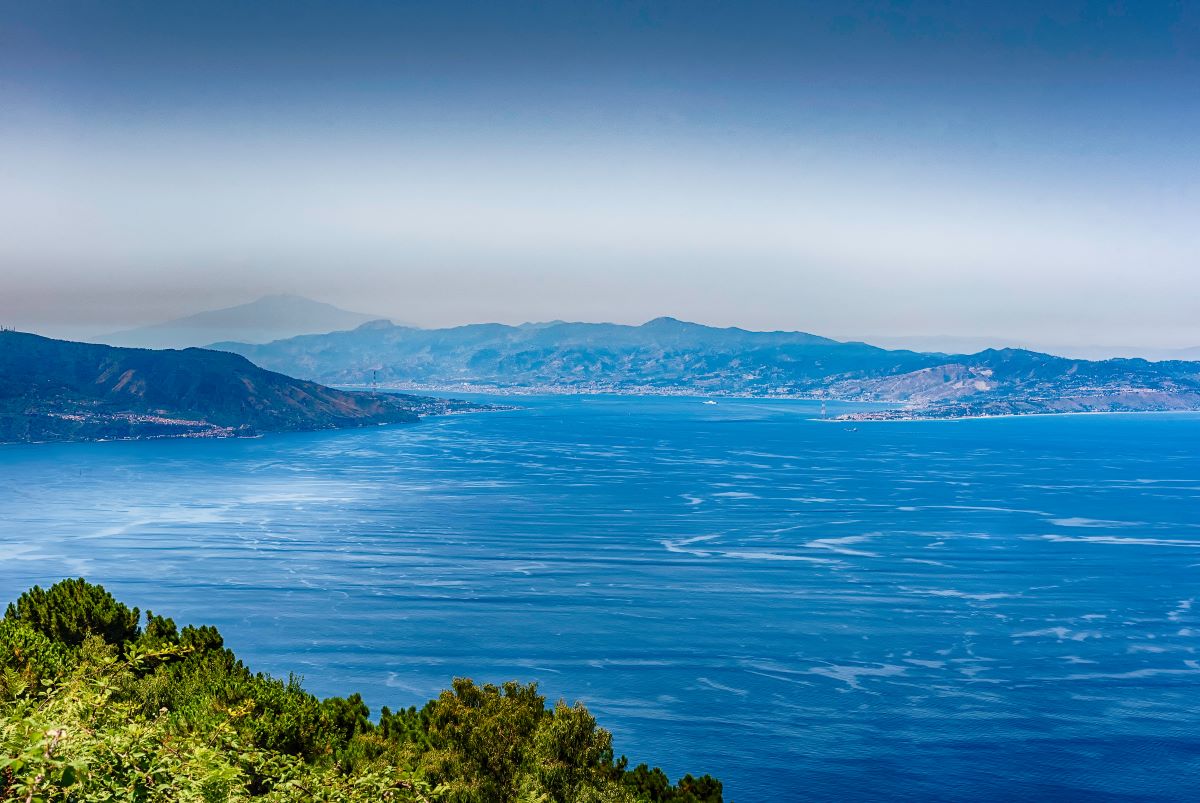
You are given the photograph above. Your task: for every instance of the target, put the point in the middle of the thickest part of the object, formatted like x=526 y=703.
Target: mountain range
x=61 y=390
x=260 y=321
x=952 y=344
x=667 y=355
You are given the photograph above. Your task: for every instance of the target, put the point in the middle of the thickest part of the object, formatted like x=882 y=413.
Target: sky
x=1027 y=170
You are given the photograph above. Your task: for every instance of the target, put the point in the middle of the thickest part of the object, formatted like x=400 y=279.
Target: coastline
x=986 y=416
x=641 y=391
x=678 y=392
x=217 y=432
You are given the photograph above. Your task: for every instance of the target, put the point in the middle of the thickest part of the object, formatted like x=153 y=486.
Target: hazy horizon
x=915 y=342
x=870 y=170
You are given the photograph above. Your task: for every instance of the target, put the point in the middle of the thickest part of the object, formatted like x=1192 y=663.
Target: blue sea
x=1002 y=609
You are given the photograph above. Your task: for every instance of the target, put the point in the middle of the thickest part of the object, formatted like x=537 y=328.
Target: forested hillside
x=102 y=704
x=53 y=390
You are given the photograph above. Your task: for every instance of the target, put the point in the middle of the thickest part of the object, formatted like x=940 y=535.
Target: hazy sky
x=1025 y=169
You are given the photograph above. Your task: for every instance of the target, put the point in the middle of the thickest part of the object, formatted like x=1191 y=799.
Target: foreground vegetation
x=99 y=706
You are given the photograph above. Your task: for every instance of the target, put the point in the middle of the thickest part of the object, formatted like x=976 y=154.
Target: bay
x=1001 y=609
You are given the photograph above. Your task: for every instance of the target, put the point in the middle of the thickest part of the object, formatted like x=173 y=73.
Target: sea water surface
x=1002 y=609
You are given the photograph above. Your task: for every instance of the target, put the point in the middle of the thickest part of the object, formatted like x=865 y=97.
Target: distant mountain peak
x=271 y=317
x=377 y=324
x=665 y=321
x=542 y=324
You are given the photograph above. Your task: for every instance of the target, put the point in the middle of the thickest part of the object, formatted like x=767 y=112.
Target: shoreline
x=684 y=393
x=230 y=433
x=914 y=419
x=642 y=392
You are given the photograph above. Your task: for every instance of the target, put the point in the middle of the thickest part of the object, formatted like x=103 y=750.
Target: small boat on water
x=710 y=401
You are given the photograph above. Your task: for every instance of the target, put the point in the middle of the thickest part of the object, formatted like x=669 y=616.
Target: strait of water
x=1002 y=609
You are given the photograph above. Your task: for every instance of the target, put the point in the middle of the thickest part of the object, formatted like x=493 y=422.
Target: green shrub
x=28 y=658
x=92 y=708
x=71 y=610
